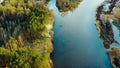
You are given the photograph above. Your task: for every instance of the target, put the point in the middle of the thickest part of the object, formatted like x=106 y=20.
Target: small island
x=103 y=22
x=67 y=5
x=25 y=34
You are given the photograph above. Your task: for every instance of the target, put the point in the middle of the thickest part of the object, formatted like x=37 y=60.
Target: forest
x=25 y=40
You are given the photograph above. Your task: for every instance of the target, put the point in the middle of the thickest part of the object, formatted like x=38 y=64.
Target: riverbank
x=104 y=25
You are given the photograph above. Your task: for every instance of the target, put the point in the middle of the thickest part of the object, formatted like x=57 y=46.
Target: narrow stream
x=116 y=34
x=76 y=41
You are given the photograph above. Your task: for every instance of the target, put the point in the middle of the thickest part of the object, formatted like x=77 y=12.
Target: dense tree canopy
x=23 y=34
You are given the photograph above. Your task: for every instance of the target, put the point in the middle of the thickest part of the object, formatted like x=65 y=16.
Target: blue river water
x=76 y=41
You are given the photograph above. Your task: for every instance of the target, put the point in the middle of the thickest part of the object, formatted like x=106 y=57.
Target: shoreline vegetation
x=25 y=34
x=67 y=5
x=103 y=23
x=108 y=13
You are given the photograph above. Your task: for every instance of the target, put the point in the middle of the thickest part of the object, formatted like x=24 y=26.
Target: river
x=76 y=41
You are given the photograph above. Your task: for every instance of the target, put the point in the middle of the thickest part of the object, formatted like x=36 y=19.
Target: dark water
x=76 y=41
